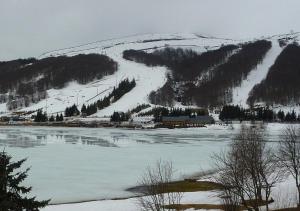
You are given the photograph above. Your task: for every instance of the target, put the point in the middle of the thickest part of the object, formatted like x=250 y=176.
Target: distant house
x=187 y=121
x=4 y=119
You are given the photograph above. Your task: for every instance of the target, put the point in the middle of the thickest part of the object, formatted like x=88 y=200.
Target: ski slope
x=148 y=79
x=240 y=94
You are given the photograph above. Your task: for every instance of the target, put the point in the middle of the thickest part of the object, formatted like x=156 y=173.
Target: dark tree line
x=281 y=85
x=119 y=117
x=139 y=108
x=123 y=87
x=71 y=111
x=43 y=117
x=89 y=110
x=159 y=112
x=217 y=89
x=185 y=64
x=26 y=79
x=187 y=112
x=235 y=112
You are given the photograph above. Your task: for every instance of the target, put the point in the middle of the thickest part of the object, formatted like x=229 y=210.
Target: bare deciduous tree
x=289 y=155
x=248 y=170
x=155 y=188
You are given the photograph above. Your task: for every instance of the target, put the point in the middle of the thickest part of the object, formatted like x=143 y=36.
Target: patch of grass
x=182 y=186
x=192 y=186
x=214 y=206
x=195 y=206
x=260 y=202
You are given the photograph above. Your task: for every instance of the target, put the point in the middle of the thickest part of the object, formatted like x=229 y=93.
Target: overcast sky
x=30 y=27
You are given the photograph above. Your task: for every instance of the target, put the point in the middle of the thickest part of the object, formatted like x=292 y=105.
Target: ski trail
x=240 y=94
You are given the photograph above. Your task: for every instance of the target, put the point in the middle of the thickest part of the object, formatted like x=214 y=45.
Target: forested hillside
x=25 y=81
x=281 y=85
x=185 y=64
x=204 y=79
x=216 y=90
x=178 y=70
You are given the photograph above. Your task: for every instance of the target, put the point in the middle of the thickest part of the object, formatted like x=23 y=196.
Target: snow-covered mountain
x=148 y=78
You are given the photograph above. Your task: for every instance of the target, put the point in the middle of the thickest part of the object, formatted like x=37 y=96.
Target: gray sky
x=30 y=27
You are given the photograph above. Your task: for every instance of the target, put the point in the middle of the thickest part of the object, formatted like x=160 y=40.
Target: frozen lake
x=74 y=164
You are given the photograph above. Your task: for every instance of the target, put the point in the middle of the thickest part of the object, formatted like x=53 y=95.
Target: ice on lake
x=75 y=164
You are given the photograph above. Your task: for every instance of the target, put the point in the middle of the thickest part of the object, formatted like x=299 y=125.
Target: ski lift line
x=91 y=43
x=103 y=79
x=97 y=85
x=159 y=47
x=70 y=52
x=100 y=41
x=98 y=94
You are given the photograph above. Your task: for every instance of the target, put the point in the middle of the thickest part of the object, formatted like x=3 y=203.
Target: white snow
x=148 y=79
x=284 y=195
x=240 y=94
x=205 y=197
x=3 y=108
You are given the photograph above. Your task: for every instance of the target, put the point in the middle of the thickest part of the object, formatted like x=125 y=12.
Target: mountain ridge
x=148 y=79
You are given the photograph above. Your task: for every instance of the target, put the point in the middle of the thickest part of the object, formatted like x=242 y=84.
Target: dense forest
x=185 y=64
x=26 y=81
x=281 y=85
x=234 y=112
x=216 y=89
x=159 y=112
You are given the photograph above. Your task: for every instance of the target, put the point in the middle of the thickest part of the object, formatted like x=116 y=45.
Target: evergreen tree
x=57 y=118
x=40 y=116
x=51 y=119
x=72 y=111
x=61 y=118
x=281 y=115
x=293 y=116
x=288 y=117
x=12 y=193
x=115 y=117
x=83 y=109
